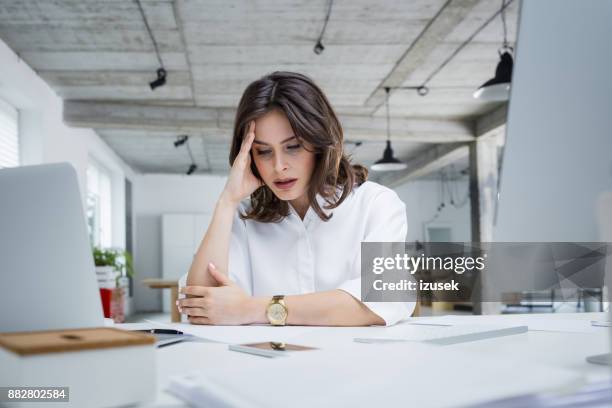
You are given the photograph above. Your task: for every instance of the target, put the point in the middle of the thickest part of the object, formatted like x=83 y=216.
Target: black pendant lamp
x=498 y=87
x=388 y=161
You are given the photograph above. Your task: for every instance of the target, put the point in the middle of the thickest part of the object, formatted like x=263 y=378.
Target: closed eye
x=263 y=152
x=295 y=146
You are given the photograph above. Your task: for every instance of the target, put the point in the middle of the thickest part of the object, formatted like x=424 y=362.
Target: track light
x=318 y=48
x=181 y=140
x=161 y=79
x=184 y=140
x=161 y=72
x=192 y=168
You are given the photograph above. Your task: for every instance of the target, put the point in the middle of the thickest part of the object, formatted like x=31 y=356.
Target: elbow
x=375 y=320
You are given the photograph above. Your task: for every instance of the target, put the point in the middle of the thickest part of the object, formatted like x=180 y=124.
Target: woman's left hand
x=226 y=304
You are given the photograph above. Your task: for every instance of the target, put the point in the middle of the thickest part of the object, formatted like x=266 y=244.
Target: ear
x=222 y=279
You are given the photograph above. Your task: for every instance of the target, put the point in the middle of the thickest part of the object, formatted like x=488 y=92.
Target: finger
x=199 y=320
x=218 y=275
x=191 y=302
x=249 y=132
x=202 y=291
x=251 y=129
x=247 y=141
x=194 y=312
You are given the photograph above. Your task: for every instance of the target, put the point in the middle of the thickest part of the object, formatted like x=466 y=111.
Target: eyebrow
x=267 y=144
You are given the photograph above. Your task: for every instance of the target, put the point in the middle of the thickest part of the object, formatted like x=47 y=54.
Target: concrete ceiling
x=98 y=56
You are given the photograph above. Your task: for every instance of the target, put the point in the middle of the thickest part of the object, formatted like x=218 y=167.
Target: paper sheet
x=365 y=375
x=307 y=335
x=538 y=322
x=239 y=334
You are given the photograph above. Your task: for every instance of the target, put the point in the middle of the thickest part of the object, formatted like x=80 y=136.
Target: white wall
x=154 y=195
x=422 y=198
x=44 y=138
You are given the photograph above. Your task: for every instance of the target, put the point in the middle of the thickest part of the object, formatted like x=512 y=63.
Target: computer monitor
x=47 y=275
x=556 y=179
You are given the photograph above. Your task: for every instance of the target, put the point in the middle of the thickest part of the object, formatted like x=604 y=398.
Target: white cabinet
x=181 y=237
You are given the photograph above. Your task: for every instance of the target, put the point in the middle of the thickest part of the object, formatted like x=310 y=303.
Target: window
x=439 y=233
x=99 y=211
x=9 y=136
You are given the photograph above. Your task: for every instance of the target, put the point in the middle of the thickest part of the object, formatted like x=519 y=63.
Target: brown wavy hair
x=314 y=121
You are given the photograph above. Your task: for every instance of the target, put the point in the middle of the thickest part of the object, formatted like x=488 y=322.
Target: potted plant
x=113 y=267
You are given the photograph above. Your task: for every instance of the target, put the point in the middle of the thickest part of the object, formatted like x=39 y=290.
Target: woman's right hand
x=241 y=182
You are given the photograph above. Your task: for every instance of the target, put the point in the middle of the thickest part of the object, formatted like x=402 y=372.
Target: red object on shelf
x=106 y=295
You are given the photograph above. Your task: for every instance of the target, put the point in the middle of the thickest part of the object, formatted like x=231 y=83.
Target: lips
x=285 y=184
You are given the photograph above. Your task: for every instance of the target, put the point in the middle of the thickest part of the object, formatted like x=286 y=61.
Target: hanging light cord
x=503 y=19
x=466 y=42
x=329 y=9
x=453 y=189
x=446 y=186
x=422 y=89
x=388 y=115
x=144 y=18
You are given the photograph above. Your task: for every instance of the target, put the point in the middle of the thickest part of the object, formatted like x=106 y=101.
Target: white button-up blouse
x=296 y=256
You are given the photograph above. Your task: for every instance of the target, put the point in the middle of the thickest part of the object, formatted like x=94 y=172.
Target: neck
x=301 y=205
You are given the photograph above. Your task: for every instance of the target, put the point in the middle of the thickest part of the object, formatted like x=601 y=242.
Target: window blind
x=9 y=136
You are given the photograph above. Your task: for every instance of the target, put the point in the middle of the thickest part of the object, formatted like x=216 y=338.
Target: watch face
x=277 y=313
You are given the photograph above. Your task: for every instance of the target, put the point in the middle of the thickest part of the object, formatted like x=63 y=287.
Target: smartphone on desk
x=166 y=337
x=268 y=348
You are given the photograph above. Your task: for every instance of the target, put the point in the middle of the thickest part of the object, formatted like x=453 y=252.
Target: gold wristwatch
x=277 y=312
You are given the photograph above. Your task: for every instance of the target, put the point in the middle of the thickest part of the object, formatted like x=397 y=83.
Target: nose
x=280 y=164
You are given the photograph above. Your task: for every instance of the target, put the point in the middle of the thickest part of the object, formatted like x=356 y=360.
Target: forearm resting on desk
x=228 y=303
x=215 y=245
x=329 y=308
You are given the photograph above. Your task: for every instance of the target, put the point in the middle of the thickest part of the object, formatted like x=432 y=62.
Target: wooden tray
x=59 y=341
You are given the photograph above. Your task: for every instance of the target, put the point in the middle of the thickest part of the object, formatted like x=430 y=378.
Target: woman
x=283 y=245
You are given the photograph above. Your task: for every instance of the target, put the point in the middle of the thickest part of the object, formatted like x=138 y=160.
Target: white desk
x=560 y=350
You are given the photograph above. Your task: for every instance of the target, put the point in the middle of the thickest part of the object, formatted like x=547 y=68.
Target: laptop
x=47 y=273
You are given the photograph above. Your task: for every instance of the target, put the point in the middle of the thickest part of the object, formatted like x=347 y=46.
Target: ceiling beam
x=440 y=156
x=103 y=115
x=425 y=163
x=368 y=128
x=443 y=23
x=106 y=115
x=491 y=121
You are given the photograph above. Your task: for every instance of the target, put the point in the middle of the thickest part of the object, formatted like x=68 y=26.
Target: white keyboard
x=444 y=334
